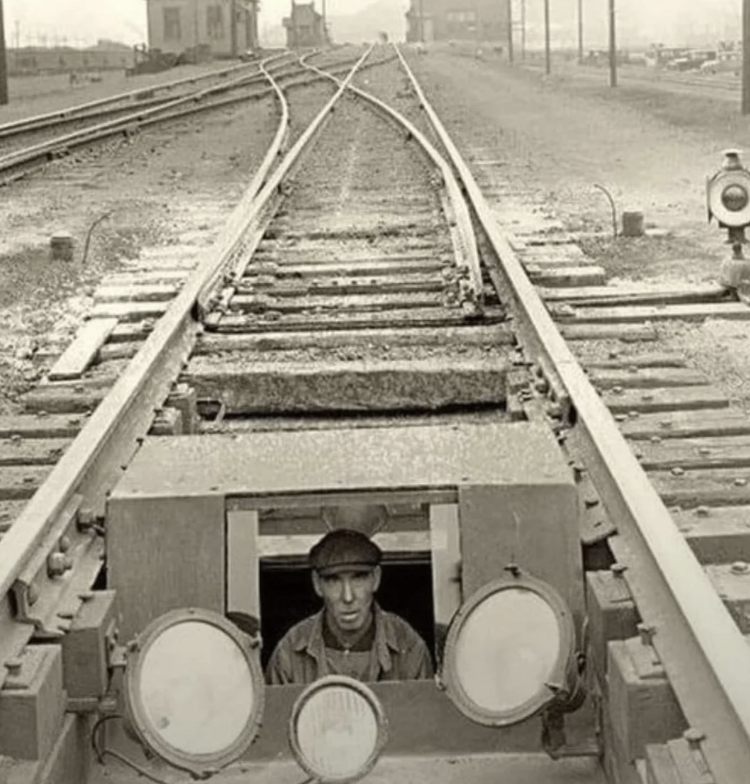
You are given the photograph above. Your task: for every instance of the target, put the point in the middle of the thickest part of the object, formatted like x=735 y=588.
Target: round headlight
x=507 y=651
x=194 y=690
x=734 y=198
x=337 y=730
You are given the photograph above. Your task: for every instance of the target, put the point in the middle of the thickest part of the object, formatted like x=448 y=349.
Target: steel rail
x=139 y=117
x=700 y=646
x=94 y=461
x=459 y=216
x=267 y=199
x=14 y=635
x=28 y=123
x=38 y=155
x=60 y=121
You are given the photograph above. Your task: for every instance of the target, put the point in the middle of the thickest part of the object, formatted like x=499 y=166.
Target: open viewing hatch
x=337 y=730
x=194 y=690
x=508 y=651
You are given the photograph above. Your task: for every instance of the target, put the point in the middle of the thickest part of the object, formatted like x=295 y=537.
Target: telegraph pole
x=421 y=21
x=523 y=29
x=547 y=62
x=3 y=60
x=325 y=28
x=613 y=46
x=233 y=27
x=580 y=32
x=745 y=56
x=510 y=31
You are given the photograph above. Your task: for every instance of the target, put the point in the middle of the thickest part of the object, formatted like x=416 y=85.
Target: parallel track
x=27 y=158
x=697 y=641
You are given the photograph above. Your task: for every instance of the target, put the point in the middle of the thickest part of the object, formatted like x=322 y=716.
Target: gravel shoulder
x=549 y=141
x=170 y=186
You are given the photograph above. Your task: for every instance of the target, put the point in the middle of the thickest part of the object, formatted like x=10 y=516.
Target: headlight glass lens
x=734 y=198
x=337 y=732
x=506 y=649
x=196 y=688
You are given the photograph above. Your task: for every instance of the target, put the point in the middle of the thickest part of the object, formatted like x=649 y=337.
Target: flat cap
x=342 y=550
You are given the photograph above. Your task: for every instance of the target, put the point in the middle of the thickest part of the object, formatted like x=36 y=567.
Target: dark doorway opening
x=287 y=597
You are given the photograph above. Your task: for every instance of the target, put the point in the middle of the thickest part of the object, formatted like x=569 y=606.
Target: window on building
x=215 y=22
x=172 y=27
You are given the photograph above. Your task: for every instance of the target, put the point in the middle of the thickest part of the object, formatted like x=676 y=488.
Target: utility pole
x=325 y=25
x=3 y=60
x=580 y=32
x=233 y=27
x=421 y=21
x=510 y=31
x=547 y=55
x=523 y=29
x=613 y=46
x=745 y=56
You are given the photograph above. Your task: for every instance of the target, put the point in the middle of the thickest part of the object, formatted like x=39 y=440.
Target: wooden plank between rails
x=622 y=401
x=637 y=314
x=691 y=453
x=83 y=350
x=720 y=421
x=718 y=534
x=566 y=277
x=646 y=377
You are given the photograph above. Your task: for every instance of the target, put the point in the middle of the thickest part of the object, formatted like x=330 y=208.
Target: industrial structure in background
x=458 y=20
x=200 y=29
x=305 y=27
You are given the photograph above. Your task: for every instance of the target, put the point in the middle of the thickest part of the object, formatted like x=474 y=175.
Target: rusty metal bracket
x=48 y=591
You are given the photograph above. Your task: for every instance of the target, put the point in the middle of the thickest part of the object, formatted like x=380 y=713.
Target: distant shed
x=304 y=27
x=458 y=20
x=225 y=27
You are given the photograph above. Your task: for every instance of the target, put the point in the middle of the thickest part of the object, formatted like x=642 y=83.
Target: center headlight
x=337 y=730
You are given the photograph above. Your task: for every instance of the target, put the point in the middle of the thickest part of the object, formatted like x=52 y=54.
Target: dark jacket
x=300 y=655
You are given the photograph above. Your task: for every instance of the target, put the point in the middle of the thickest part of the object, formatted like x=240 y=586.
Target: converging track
x=363 y=281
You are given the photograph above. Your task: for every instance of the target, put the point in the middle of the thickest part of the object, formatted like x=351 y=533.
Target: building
x=179 y=26
x=457 y=20
x=304 y=27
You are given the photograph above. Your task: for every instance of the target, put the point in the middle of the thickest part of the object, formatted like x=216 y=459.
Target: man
x=351 y=635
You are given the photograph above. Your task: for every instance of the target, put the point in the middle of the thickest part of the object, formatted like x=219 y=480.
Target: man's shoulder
x=403 y=632
x=300 y=633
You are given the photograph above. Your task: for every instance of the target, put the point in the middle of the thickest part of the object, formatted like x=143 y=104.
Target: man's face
x=348 y=596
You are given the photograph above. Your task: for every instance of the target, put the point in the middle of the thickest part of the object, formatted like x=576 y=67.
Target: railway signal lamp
x=728 y=201
x=193 y=691
x=510 y=653
x=337 y=730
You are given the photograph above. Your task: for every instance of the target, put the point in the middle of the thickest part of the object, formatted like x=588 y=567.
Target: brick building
x=457 y=20
x=304 y=27
x=181 y=25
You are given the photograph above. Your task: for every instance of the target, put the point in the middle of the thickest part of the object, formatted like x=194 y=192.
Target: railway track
x=31 y=143
x=689 y=443
x=371 y=280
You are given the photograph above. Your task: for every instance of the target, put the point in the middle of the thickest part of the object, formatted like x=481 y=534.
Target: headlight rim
x=136 y=718
x=558 y=675
x=363 y=691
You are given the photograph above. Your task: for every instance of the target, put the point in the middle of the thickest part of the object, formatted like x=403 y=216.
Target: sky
x=82 y=22
x=125 y=20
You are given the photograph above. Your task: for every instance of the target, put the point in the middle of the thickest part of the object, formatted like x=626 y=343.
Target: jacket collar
x=385 y=638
